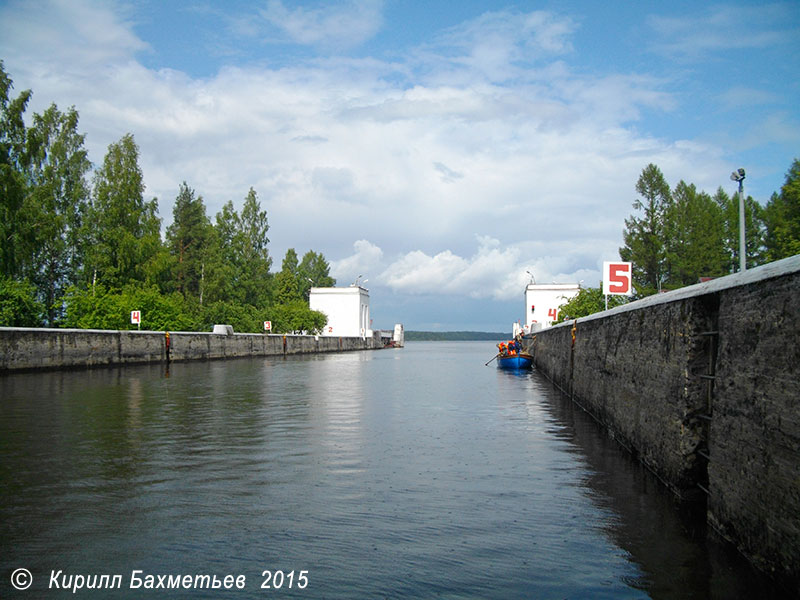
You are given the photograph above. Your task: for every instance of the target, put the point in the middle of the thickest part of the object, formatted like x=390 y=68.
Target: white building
x=542 y=301
x=347 y=309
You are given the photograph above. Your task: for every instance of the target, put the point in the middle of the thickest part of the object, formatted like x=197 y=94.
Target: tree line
x=85 y=253
x=679 y=235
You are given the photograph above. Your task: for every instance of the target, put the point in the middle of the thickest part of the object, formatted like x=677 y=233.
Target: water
x=416 y=473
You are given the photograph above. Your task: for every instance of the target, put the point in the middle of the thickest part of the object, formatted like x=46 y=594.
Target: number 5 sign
x=617 y=279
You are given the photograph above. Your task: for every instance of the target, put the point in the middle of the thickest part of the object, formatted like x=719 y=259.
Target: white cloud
x=367 y=258
x=495 y=271
x=342 y=25
x=62 y=40
x=723 y=27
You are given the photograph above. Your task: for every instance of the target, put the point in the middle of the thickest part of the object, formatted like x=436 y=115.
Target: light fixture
x=738 y=175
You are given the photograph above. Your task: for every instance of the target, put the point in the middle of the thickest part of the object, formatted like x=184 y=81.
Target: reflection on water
x=416 y=472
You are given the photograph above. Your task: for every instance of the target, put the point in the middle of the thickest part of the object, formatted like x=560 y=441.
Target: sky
x=443 y=151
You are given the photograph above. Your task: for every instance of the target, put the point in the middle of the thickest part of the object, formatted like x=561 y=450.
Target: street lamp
x=738 y=175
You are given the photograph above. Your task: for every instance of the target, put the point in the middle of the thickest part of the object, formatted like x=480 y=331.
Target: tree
x=18 y=304
x=287 y=288
x=16 y=227
x=242 y=242
x=257 y=262
x=59 y=198
x=314 y=271
x=694 y=233
x=189 y=242
x=643 y=236
x=125 y=230
x=782 y=217
x=296 y=316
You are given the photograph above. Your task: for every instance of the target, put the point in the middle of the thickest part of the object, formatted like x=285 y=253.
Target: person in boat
x=502 y=350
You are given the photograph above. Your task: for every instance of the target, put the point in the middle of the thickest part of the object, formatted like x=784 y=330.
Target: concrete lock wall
x=24 y=348
x=703 y=385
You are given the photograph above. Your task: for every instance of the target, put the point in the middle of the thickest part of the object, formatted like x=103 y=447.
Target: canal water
x=409 y=473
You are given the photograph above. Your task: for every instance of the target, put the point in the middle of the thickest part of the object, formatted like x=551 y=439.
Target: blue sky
x=439 y=149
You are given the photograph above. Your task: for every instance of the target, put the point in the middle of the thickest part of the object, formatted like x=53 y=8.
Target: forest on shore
x=85 y=253
x=678 y=236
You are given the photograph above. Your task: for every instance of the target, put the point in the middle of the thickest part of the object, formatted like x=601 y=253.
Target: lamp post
x=738 y=175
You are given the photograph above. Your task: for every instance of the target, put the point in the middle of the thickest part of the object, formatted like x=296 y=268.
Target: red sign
x=136 y=317
x=617 y=278
x=267 y=325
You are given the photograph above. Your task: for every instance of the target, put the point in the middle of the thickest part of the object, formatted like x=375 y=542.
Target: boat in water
x=515 y=361
x=512 y=356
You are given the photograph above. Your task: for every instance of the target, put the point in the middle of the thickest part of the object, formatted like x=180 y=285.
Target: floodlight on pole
x=738 y=175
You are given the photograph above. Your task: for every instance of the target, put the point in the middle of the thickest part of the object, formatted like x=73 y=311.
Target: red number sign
x=553 y=313
x=617 y=278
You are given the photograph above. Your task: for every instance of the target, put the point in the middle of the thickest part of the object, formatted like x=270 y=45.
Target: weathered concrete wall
x=754 y=471
x=703 y=384
x=24 y=348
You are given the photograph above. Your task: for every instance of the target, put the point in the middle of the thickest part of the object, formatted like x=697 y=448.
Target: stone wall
x=26 y=348
x=703 y=385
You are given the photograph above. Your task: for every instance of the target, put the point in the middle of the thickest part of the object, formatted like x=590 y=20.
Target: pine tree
x=782 y=217
x=644 y=236
x=189 y=241
x=694 y=233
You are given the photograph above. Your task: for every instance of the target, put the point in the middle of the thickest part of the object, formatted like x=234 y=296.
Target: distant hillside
x=454 y=336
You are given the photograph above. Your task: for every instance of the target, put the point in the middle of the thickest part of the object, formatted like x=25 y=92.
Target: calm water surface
x=386 y=474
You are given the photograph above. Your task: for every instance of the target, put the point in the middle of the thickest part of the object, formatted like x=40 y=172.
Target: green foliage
x=189 y=240
x=643 y=236
x=124 y=228
x=59 y=198
x=296 y=316
x=16 y=224
x=694 y=233
x=242 y=249
x=587 y=301
x=313 y=271
x=286 y=290
x=244 y=318
x=684 y=234
x=782 y=217
x=295 y=281
x=102 y=308
x=18 y=305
